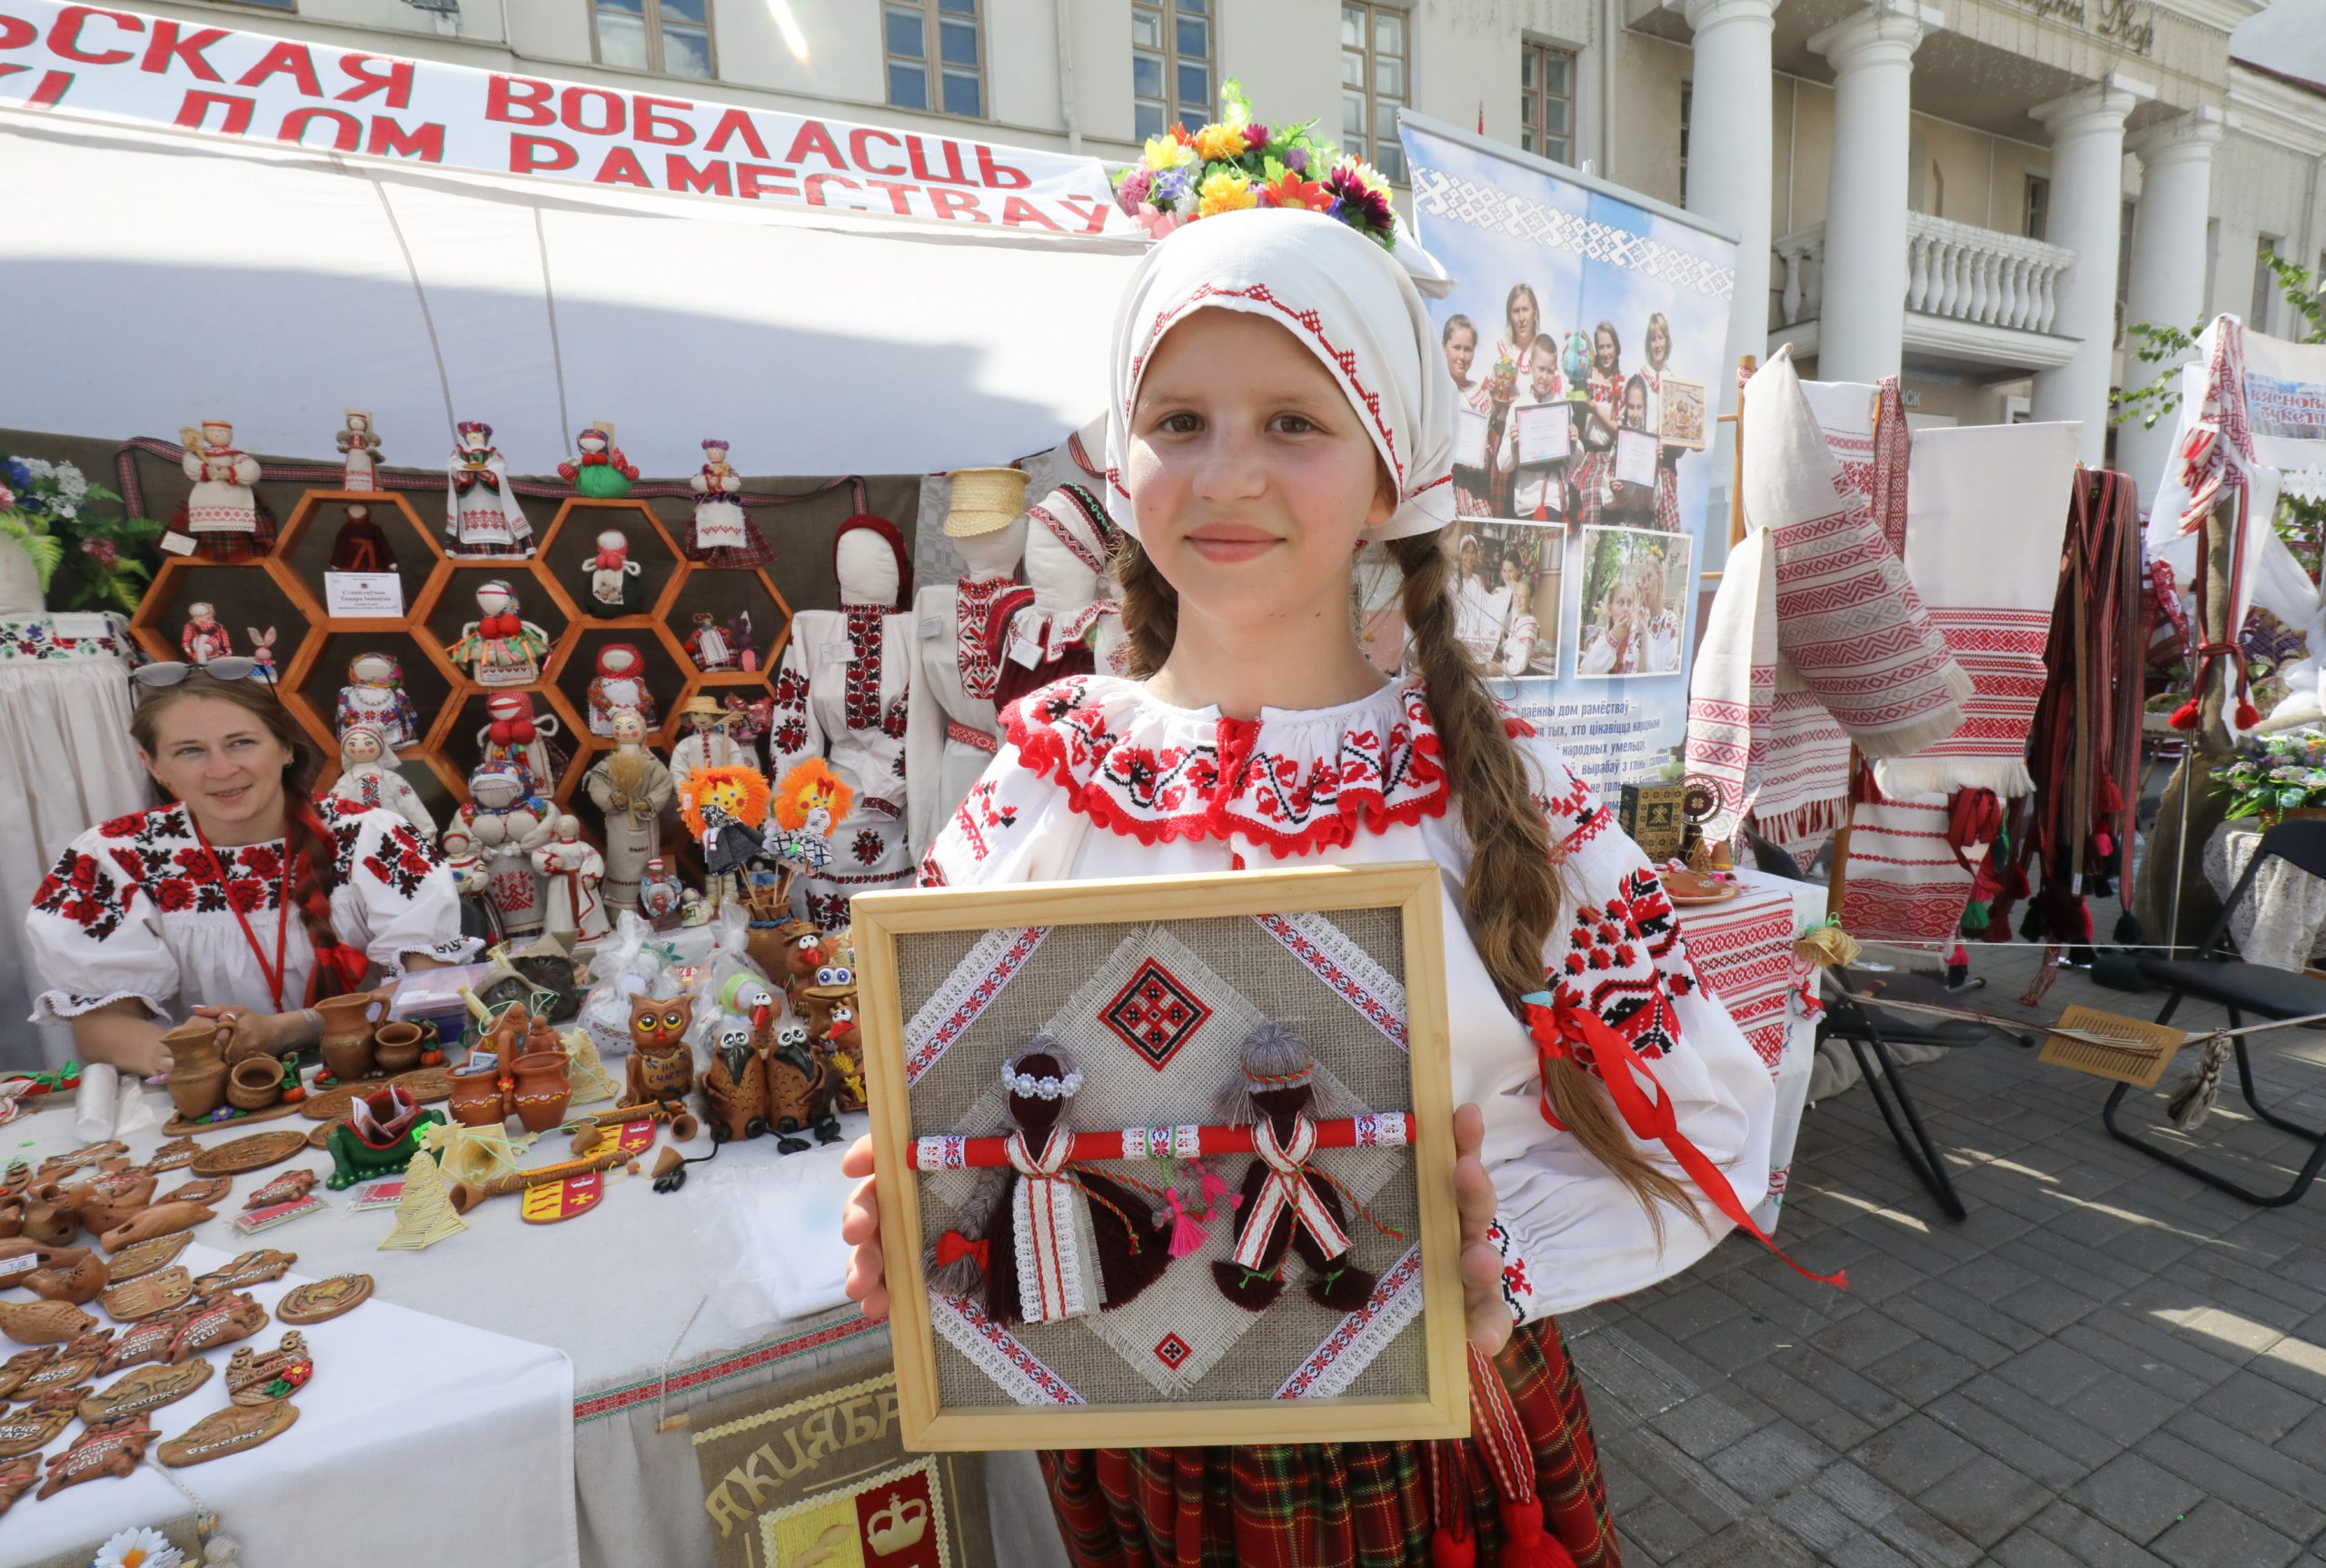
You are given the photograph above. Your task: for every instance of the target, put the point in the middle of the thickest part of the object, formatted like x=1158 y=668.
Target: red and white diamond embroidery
x=1155 y=1014
x=1172 y=1351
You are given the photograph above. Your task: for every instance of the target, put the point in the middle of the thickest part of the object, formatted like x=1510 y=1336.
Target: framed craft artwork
x=1167 y=1159
x=1682 y=406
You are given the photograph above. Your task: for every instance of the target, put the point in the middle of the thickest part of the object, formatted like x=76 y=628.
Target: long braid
x=1150 y=608
x=314 y=864
x=1512 y=894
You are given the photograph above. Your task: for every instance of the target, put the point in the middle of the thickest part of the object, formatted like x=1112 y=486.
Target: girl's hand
x=1483 y=1308
x=859 y=1227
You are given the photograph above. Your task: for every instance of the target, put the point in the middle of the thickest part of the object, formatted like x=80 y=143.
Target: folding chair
x=2241 y=987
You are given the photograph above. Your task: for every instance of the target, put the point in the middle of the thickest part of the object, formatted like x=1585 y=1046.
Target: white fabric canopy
x=156 y=278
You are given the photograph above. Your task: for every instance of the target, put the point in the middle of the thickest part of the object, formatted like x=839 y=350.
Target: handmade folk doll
x=951 y=729
x=615 y=588
x=571 y=870
x=621 y=682
x=360 y=545
x=1039 y=1205
x=1285 y=1203
x=708 y=644
x=480 y=916
x=374 y=695
x=722 y=535
x=263 y=654
x=500 y=648
x=205 y=639
x=514 y=734
x=368 y=776
x=661 y=1066
x=631 y=787
x=708 y=742
x=358 y=445
x=600 y=471
x=224 y=513
x=725 y=809
x=507 y=822
x=801 y=813
x=661 y=895
x=482 y=513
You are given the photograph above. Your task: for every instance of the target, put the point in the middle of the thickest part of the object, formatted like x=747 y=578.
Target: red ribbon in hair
x=339 y=968
x=953 y=1247
x=504 y=625
x=1579 y=1035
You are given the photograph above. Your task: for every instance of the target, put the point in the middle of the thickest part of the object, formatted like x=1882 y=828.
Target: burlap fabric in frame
x=1181 y=1338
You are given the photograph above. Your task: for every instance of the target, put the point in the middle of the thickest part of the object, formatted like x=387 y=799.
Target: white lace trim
x=1377 y=995
x=1362 y=1336
x=61 y=1007
x=965 y=993
x=1042 y=1088
x=1048 y=1237
x=994 y=1351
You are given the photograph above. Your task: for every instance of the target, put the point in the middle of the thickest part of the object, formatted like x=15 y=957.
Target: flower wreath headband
x=1237 y=161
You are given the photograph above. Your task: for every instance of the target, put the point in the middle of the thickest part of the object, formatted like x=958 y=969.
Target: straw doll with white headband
x=1275 y=401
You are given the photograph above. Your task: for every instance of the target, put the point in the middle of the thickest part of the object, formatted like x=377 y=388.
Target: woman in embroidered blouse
x=1252 y=462
x=245 y=896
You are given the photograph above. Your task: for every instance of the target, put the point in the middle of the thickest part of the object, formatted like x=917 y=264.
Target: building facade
x=1973 y=195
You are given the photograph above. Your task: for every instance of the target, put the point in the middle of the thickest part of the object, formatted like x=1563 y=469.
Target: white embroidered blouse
x=1096 y=778
x=135 y=907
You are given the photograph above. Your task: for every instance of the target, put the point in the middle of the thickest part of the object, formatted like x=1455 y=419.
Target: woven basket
x=983 y=500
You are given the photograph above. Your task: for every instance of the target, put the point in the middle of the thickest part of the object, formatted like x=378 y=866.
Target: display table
x=2281 y=920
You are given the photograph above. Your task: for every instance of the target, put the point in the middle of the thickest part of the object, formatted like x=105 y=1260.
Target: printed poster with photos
x=1584 y=337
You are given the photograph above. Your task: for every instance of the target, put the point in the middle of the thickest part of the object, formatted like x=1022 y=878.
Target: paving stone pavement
x=2107 y=1364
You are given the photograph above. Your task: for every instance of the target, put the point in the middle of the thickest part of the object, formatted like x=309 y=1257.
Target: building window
x=1170 y=63
x=936 y=51
x=1546 y=101
x=2265 y=282
x=1373 y=85
x=668 y=37
x=1687 y=128
x=2038 y=213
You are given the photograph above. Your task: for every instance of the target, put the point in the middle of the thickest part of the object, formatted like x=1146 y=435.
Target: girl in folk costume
x=1458 y=341
x=1591 y=474
x=374 y=695
x=1482 y=604
x=482 y=514
x=840 y=693
x=1521 y=321
x=227 y=518
x=1074 y=624
x=358 y=445
x=245 y=896
x=507 y=822
x=571 y=870
x=722 y=534
x=615 y=588
x=601 y=473
x=1667 y=458
x=621 y=682
x=1630 y=504
x=1618 y=643
x=1605 y=386
x=1520 y=627
x=205 y=637
x=950 y=726
x=1659 y=621
x=501 y=648
x=1020 y=1249
x=368 y=778
x=631 y=787
x=512 y=734
x=1274 y=401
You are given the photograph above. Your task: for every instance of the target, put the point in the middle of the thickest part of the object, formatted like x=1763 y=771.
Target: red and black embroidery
x=401 y=861
x=1626 y=961
x=982 y=610
x=79 y=890
x=861 y=695
x=791 y=699
x=866 y=847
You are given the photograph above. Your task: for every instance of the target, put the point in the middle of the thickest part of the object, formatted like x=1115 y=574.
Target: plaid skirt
x=231 y=549
x=1346 y=1505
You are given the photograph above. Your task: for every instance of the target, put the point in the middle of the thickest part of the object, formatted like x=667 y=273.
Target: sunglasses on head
x=227 y=667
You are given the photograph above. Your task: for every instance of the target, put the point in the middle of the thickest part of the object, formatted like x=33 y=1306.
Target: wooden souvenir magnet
x=221 y=1322
x=254 y=1267
x=28 y=1430
x=321 y=1300
x=227 y=1431
x=256 y=1151
x=143 y=1342
x=206 y=1189
x=253 y=1379
x=161 y=1219
x=146 y=1257
x=288 y=1187
x=16 y=1477
x=175 y=1154
x=109 y=1448
x=44 y=1322
x=21 y=1365
x=76 y=1363
x=150 y=1294
x=148 y=1388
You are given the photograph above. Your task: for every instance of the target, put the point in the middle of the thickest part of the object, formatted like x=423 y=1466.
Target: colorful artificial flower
x=139 y=1548
x=1169 y=151
x=1132 y=190
x=1225 y=190
x=1289 y=190
x=1218 y=142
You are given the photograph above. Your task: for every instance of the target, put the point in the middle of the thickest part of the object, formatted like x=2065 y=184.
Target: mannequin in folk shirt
x=481 y=516
x=368 y=776
x=951 y=729
x=1074 y=624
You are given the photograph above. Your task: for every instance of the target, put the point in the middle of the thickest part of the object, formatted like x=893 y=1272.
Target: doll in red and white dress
x=722 y=533
x=228 y=518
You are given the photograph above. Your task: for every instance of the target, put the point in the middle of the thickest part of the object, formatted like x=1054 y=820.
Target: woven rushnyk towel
x=1864 y=427
x=1905 y=884
x=1986 y=517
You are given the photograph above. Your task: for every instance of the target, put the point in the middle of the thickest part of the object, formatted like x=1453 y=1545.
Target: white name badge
x=363 y=595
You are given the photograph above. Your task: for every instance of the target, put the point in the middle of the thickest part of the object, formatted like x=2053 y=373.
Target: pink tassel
x=1187 y=1235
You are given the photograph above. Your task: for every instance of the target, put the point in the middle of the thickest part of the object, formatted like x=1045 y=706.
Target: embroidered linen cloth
x=1905 y=884
x=1986 y=514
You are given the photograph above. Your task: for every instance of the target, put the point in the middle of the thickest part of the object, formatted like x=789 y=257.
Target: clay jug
x=395 y=1047
x=254 y=1083
x=352 y=1017
x=476 y=1097
x=198 y=1067
x=542 y=1089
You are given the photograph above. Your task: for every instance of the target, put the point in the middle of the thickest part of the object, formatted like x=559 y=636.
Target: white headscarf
x=1344 y=297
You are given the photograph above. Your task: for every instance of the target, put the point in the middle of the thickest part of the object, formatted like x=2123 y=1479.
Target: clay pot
x=542 y=1090
x=395 y=1047
x=198 y=1067
x=353 y=1017
x=254 y=1083
x=347 y=1058
x=476 y=1098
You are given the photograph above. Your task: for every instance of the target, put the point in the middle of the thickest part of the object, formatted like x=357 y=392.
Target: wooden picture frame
x=1410 y=1382
x=1683 y=414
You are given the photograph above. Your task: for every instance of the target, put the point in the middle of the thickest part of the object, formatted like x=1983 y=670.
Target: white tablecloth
x=2281 y=921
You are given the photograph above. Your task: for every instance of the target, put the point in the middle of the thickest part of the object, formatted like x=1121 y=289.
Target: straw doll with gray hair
x=1287 y=1205
x=1033 y=1226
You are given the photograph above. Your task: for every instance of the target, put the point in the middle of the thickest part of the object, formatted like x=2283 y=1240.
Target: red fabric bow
x=516 y=731
x=1581 y=1035
x=953 y=1247
x=341 y=968
x=504 y=625
x=610 y=561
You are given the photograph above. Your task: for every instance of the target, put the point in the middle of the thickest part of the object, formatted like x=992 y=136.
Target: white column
x=1731 y=156
x=2087 y=130
x=2167 y=286
x=1863 y=320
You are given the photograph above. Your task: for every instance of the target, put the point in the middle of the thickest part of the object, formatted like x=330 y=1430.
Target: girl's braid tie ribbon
x=1583 y=1036
x=953 y=1247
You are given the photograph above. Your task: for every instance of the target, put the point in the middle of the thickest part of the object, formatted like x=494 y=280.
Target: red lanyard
x=274 y=975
